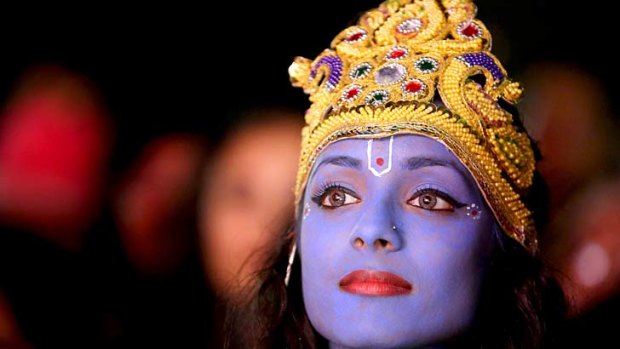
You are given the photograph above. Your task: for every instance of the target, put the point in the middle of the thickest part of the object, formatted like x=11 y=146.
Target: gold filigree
x=382 y=76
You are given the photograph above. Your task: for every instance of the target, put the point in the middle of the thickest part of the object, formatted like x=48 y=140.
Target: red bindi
x=380 y=161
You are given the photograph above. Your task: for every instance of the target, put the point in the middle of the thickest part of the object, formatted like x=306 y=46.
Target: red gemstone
x=380 y=161
x=471 y=30
x=352 y=93
x=354 y=37
x=397 y=54
x=413 y=86
x=474 y=213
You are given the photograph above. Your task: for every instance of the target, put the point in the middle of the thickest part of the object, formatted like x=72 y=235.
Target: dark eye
x=335 y=197
x=432 y=200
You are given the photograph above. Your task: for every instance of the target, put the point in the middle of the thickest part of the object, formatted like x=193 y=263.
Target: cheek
x=450 y=256
x=325 y=233
x=324 y=249
x=319 y=252
x=314 y=238
x=448 y=265
x=450 y=232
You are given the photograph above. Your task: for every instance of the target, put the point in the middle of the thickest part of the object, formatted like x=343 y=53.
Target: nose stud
x=394 y=227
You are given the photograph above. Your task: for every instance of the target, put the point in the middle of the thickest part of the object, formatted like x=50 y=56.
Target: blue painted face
x=394 y=241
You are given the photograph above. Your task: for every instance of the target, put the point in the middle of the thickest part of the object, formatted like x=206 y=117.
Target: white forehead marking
x=380 y=170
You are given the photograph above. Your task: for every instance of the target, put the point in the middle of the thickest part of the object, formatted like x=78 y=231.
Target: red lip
x=375 y=283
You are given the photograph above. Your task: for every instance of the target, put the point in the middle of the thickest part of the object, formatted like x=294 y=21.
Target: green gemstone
x=377 y=98
x=361 y=71
x=426 y=65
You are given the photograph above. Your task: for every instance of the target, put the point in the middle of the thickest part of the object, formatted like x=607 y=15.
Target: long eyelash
x=439 y=193
x=318 y=195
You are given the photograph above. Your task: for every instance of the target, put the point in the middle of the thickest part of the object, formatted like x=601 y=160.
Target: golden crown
x=381 y=77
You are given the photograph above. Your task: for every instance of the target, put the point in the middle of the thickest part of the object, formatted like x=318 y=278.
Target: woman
x=414 y=227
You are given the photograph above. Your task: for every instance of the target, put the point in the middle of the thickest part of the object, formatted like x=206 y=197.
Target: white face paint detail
x=381 y=169
x=306 y=210
x=474 y=211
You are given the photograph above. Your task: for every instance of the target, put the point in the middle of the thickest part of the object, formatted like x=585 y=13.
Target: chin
x=383 y=342
x=375 y=335
x=379 y=338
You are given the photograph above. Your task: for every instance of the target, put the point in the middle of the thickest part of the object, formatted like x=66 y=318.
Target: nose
x=377 y=231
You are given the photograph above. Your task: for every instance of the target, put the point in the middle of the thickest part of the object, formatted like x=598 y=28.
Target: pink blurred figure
x=155 y=205
x=591 y=260
x=54 y=145
x=247 y=189
x=569 y=115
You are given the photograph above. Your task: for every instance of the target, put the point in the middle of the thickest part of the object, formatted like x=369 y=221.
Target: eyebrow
x=344 y=161
x=417 y=163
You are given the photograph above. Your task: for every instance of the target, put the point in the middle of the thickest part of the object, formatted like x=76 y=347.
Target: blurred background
x=115 y=118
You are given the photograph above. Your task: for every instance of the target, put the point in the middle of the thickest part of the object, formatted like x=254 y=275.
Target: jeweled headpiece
x=424 y=68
